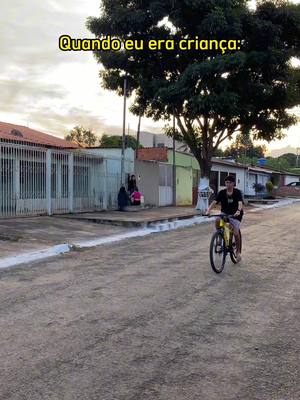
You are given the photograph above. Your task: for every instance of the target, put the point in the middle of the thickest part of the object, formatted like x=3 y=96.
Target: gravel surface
x=147 y=319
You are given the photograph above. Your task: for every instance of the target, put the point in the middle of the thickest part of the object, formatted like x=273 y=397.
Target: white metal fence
x=36 y=180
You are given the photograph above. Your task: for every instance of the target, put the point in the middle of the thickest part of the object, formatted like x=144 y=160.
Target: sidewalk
x=25 y=240
x=138 y=219
x=37 y=233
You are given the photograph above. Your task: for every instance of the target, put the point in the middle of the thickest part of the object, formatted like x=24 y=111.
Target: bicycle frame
x=227 y=231
x=228 y=245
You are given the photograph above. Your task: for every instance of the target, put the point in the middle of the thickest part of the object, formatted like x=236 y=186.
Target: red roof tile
x=33 y=136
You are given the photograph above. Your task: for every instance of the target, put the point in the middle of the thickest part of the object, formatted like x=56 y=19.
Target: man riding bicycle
x=231 y=200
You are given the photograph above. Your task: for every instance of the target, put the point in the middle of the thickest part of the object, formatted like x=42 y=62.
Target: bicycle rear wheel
x=217 y=252
x=233 y=248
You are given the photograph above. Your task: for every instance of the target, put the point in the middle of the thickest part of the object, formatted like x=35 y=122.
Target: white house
x=43 y=174
x=221 y=168
x=148 y=139
x=256 y=175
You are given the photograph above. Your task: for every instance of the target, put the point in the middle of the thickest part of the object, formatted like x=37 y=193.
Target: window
x=223 y=176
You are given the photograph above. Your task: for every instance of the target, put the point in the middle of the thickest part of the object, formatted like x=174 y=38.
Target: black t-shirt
x=230 y=204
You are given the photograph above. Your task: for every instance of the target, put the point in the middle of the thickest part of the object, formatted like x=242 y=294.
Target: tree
x=219 y=153
x=212 y=95
x=83 y=137
x=243 y=147
x=116 y=141
x=291 y=158
x=110 y=141
x=277 y=164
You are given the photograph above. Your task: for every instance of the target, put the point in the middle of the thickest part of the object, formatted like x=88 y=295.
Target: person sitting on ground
x=123 y=199
x=136 y=197
x=131 y=184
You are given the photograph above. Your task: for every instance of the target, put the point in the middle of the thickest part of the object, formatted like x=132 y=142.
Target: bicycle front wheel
x=217 y=252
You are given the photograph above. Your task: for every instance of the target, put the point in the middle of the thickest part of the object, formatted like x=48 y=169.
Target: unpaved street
x=147 y=319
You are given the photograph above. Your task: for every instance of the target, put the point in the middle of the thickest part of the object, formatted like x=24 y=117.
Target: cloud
x=31 y=30
x=15 y=94
x=282 y=150
x=37 y=80
x=61 y=123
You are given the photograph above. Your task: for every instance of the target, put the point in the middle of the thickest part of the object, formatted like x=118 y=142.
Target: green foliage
x=295 y=170
x=219 y=153
x=279 y=164
x=243 y=146
x=115 y=141
x=269 y=187
x=290 y=158
x=213 y=96
x=110 y=141
x=286 y=162
x=81 y=136
x=247 y=160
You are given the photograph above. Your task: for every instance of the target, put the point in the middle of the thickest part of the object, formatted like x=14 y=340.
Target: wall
x=183 y=160
x=162 y=139
x=147 y=139
x=147 y=176
x=113 y=157
x=287 y=191
x=153 y=154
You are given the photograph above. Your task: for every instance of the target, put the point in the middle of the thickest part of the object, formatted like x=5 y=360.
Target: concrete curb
x=276 y=205
x=28 y=257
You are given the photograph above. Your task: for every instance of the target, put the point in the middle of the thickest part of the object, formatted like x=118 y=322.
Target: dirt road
x=147 y=319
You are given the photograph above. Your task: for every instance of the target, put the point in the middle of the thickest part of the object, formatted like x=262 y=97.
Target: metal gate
x=38 y=181
x=165 y=185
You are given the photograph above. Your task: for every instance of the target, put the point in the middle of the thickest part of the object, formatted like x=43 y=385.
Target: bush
x=269 y=187
x=258 y=187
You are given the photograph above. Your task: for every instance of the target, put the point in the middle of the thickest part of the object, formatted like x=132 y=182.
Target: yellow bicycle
x=222 y=243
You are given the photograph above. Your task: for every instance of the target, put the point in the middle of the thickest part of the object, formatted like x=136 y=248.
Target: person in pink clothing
x=136 y=197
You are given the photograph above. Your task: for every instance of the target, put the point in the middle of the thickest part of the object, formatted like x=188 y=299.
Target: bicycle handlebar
x=218 y=215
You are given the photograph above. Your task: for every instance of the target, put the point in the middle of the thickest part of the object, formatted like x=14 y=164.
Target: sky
x=52 y=91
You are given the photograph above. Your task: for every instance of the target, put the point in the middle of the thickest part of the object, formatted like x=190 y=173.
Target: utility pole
x=138 y=137
x=123 y=135
x=174 y=163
